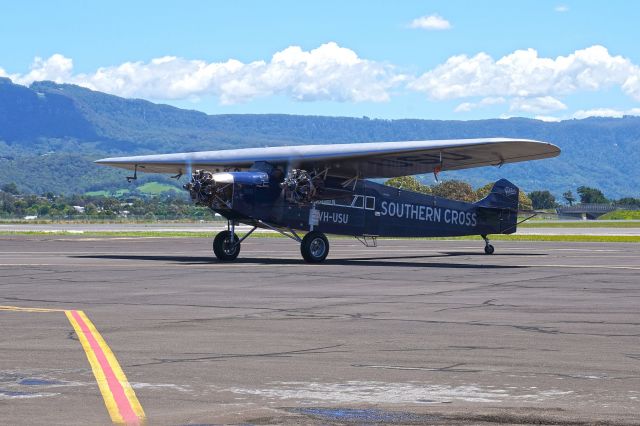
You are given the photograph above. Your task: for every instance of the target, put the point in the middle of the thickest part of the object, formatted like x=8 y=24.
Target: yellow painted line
x=118 y=395
x=21 y=309
x=119 y=398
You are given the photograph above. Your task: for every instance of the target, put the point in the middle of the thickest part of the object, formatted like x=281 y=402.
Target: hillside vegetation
x=51 y=133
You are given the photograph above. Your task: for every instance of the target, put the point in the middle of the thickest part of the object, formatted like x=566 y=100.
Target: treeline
x=165 y=206
x=171 y=205
x=586 y=195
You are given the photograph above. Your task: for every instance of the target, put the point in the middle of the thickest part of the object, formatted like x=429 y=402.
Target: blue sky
x=410 y=59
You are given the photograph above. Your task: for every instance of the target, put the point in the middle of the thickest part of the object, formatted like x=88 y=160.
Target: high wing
x=361 y=160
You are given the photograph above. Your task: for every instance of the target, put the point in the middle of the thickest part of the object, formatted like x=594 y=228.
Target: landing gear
x=314 y=247
x=226 y=246
x=488 y=248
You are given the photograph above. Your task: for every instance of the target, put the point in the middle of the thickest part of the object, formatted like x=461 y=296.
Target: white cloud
x=465 y=107
x=536 y=105
x=605 y=112
x=547 y=118
x=430 y=22
x=561 y=8
x=529 y=84
x=595 y=112
x=469 y=106
x=524 y=74
x=56 y=68
x=329 y=72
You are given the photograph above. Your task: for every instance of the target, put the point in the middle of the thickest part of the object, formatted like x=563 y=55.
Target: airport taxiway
x=410 y=332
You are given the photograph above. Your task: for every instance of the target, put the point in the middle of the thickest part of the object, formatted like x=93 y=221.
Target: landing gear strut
x=226 y=245
x=488 y=248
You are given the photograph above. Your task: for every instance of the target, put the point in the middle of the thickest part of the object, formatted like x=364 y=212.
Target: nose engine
x=214 y=190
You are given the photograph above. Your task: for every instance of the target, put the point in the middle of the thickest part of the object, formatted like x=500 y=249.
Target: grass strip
x=584 y=224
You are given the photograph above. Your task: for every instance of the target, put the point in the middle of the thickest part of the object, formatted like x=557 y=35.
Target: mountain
x=50 y=134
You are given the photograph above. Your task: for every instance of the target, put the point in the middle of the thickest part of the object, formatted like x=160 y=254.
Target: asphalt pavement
x=410 y=332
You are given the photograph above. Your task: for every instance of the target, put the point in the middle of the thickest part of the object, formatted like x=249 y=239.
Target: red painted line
x=126 y=411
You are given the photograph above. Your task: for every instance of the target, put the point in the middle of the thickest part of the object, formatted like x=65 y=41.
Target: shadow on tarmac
x=389 y=261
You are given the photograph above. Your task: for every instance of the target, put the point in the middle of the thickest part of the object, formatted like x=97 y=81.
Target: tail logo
x=510 y=191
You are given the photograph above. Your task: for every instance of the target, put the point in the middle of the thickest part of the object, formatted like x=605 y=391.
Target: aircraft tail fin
x=504 y=195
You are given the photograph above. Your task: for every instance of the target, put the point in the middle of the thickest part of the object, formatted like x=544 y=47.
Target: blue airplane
x=324 y=189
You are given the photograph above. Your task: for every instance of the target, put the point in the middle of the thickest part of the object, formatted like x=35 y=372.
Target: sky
x=462 y=60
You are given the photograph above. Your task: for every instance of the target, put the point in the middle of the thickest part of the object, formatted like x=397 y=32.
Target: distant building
x=30 y=217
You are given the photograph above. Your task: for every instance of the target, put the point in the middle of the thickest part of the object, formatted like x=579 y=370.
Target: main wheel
x=314 y=247
x=223 y=248
x=488 y=249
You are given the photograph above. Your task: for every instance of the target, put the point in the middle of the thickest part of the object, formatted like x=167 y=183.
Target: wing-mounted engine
x=302 y=186
x=213 y=190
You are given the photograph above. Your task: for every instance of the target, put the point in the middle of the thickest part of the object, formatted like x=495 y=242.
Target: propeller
x=189 y=185
x=189 y=169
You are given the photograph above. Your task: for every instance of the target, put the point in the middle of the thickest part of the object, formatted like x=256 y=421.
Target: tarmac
x=410 y=332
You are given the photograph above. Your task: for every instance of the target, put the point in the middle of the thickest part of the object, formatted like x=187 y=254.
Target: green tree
x=591 y=195
x=454 y=190
x=44 y=210
x=569 y=197
x=542 y=199
x=628 y=201
x=408 y=183
x=11 y=188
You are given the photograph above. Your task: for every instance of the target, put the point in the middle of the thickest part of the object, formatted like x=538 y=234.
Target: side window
x=370 y=203
x=358 y=202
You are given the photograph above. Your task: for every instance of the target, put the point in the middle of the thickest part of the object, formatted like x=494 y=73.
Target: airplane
x=326 y=189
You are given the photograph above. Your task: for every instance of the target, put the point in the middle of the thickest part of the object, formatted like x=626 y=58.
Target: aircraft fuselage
x=372 y=209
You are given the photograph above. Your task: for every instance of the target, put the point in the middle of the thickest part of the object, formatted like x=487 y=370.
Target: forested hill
x=50 y=133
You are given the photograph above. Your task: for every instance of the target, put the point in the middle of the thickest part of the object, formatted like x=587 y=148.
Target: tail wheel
x=314 y=247
x=224 y=248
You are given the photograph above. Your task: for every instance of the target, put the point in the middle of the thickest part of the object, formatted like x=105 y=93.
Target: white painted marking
x=633 y=268
x=393 y=393
x=161 y=386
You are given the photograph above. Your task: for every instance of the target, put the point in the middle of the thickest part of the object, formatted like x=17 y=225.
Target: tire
x=314 y=247
x=488 y=249
x=221 y=244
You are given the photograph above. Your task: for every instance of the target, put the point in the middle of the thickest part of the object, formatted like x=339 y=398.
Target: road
x=410 y=332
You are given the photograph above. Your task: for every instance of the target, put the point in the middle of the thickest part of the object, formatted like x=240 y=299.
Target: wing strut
x=135 y=174
x=437 y=169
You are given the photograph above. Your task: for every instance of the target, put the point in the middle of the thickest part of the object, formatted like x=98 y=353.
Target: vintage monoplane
x=323 y=189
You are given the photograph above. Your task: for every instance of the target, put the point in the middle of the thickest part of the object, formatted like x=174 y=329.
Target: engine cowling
x=215 y=190
x=300 y=186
